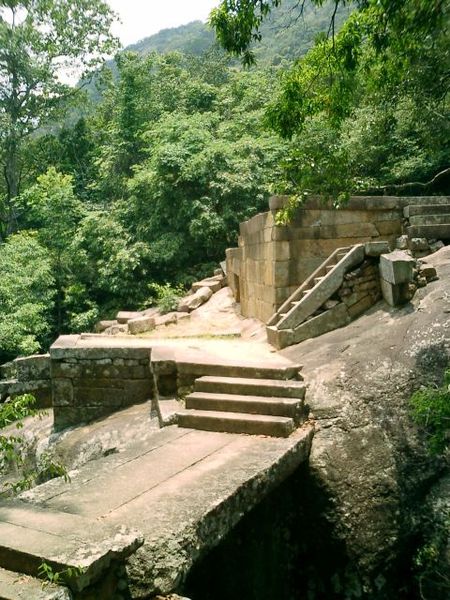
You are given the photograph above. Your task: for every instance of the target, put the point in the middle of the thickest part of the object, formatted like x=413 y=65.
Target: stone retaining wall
x=273 y=260
x=89 y=383
x=27 y=375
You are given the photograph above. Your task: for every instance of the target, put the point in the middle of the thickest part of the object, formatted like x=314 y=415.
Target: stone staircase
x=285 y=327
x=246 y=403
x=430 y=221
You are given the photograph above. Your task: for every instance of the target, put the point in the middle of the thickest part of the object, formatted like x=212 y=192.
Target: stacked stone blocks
x=89 y=383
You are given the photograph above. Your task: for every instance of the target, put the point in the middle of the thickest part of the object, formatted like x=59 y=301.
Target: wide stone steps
x=231 y=422
x=254 y=406
x=278 y=407
x=441 y=219
x=439 y=232
x=414 y=210
x=429 y=220
x=254 y=387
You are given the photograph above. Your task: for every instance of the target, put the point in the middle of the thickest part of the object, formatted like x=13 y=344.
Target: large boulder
x=369 y=465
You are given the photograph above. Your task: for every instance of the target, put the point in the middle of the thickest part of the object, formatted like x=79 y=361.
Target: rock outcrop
x=369 y=462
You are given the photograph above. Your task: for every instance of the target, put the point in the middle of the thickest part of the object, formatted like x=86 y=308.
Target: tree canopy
x=41 y=43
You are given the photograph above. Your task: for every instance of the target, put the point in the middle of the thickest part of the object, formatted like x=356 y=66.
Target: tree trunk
x=12 y=178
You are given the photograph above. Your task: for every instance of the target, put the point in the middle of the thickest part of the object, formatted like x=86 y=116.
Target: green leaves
x=26 y=295
x=431 y=410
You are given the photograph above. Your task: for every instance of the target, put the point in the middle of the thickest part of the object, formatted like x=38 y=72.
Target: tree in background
x=26 y=295
x=367 y=108
x=41 y=41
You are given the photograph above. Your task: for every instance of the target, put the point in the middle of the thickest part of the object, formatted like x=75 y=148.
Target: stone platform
x=181 y=490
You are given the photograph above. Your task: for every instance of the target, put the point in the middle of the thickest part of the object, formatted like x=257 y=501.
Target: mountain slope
x=286 y=35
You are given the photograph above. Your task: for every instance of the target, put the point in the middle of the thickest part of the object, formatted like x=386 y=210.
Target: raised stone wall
x=89 y=383
x=27 y=375
x=273 y=260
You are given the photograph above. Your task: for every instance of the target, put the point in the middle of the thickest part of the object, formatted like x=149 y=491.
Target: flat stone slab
x=15 y=586
x=30 y=535
x=182 y=489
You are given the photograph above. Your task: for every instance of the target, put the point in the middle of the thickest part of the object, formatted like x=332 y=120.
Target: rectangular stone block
x=389 y=227
x=280 y=251
x=377 y=248
x=111 y=397
x=361 y=306
x=141 y=324
x=394 y=295
x=62 y=392
x=397 y=267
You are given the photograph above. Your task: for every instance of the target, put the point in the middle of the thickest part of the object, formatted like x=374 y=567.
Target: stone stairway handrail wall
x=297 y=295
x=325 y=288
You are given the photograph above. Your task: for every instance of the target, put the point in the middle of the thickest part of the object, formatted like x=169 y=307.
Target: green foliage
x=38 y=41
x=167 y=296
x=49 y=575
x=431 y=410
x=430 y=561
x=13 y=448
x=26 y=295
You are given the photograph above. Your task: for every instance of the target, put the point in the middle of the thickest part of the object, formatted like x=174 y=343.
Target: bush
x=167 y=296
x=431 y=410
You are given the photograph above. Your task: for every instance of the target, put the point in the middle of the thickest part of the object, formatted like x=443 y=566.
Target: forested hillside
x=285 y=35
x=149 y=186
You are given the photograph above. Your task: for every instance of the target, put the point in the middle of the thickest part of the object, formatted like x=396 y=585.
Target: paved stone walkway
x=183 y=490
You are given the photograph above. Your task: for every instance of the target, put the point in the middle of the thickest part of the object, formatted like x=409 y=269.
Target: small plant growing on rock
x=431 y=410
x=13 y=448
x=46 y=572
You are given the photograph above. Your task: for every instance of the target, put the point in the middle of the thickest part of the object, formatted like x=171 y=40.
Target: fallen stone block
x=421 y=282
x=100 y=326
x=116 y=330
x=195 y=300
x=397 y=267
x=376 y=248
x=429 y=273
x=150 y=312
x=214 y=283
x=419 y=245
x=361 y=306
x=124 y=316
x=401 y=243
x=141 y=325
x=166 y=319
x=435 y=246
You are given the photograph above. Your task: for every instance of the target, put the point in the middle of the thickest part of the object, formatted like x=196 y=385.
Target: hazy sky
x=141 y=18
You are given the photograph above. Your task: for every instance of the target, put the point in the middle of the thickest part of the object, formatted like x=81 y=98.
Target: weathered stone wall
x=27 y=375
x=273 y=260
x=89 y=383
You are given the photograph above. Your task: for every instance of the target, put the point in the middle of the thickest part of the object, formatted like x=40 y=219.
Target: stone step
x=441 y=219
x=16 y=586
x=426 y=209
x=437 y=232
x=229 y=422
x=254 y=387
x=256 y=370
x=255 y=405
